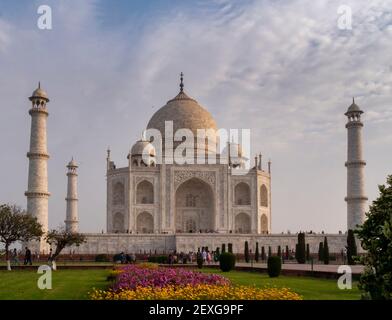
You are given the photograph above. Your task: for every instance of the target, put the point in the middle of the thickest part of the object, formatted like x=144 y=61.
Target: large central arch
x=194 y=207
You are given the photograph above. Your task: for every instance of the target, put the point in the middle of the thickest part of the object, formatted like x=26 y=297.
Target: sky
x=283 y=69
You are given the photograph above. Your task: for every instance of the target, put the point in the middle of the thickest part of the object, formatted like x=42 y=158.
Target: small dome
x=39 y=93
x=142 y=147
x=353 y=108
x=72 y=163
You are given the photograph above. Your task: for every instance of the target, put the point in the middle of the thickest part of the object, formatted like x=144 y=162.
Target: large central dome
x=185 y=112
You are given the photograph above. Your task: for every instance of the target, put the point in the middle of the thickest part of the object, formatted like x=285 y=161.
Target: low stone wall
x=115 y=243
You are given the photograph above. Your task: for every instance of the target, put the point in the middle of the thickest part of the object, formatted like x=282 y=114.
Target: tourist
x=27 y=258
x=50 y=255
x=208 y=257
x=15 y=259
x=204 y=255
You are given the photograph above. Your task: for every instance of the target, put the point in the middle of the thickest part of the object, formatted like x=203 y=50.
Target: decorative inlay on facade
x=143 y=178
x=181 y=176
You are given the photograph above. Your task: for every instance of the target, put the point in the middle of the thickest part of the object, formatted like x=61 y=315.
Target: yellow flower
x=198 y=292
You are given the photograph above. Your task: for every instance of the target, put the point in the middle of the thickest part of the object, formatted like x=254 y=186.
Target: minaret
x=37 y=192
x=71 y=220
x=356 y=198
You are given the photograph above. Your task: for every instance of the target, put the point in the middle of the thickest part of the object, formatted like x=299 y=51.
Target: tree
x=223 y=247
x=376 y=238
x=269 y=252
x=351 y=247
x=325 y=251
x=262 y=253
x=300 y=252
x=16 y=225
x=257 y=254
x=230 y=247
x=279 y=252
x=321 y=252
x=62 y=238
x=246 y=252
x=307 y=252
x=287 y=252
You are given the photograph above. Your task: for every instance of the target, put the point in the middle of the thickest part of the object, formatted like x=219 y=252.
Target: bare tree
x=16 y=225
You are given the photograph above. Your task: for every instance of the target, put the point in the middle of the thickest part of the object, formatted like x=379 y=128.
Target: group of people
x=27 y=260
x=127 y=258
x=191 y=257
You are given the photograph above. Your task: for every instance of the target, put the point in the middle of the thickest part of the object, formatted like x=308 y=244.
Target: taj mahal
x=157 y=204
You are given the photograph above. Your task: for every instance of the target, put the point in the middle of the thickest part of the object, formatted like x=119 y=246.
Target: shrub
x=287 y=252
x=230 y=247
x=117 y=257
x=257 y=254
x=262 y=253
x=279 y=251
x=300 y=252
x=199 y=260
x=226 y=261
x=307 y=252
x=246 y=252
x=223 y=247
x=321 y=252
x=351 y=247
x=269 y=251
x=326 y=251
x=158 y=259
x=274 y=266
x=375 y=235
x=101 y=258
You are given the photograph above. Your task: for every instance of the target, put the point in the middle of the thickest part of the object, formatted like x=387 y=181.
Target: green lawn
x=309 y=288
x=75 y=284
x=66 y=284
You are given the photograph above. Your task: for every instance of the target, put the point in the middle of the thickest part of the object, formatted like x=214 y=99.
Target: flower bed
x=133 y=276
x=150 y=282
x=198 y=292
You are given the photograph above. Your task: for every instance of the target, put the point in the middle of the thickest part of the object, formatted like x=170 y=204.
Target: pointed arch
x=118 y=194
x=242 y=194
x=118 y=223
x=242 y=223
x=263 y=196
x=145 y=223
x=145 y=192
x=264 y=224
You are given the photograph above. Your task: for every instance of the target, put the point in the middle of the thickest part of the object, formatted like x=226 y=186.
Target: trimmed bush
x=351 y=247
x=274 y=266
x=307 y=252
x=117 y=257
x=226 y=261
x=257 y=254
x=269 y=252
x=230 y=247
x=326 y=251
x=321 y=252
x=199 y=260
x=158 y=259
x=101 y=258
x=279 y=251
x=300 y=252
x=262 y=253
x=246 y=252
x=223 y=247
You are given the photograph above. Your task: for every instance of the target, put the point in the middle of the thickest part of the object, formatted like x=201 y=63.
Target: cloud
x=282 y=69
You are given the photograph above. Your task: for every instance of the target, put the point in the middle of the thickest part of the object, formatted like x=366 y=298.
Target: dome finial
x=182 y=82
x=353 y=101
x=39 y=84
